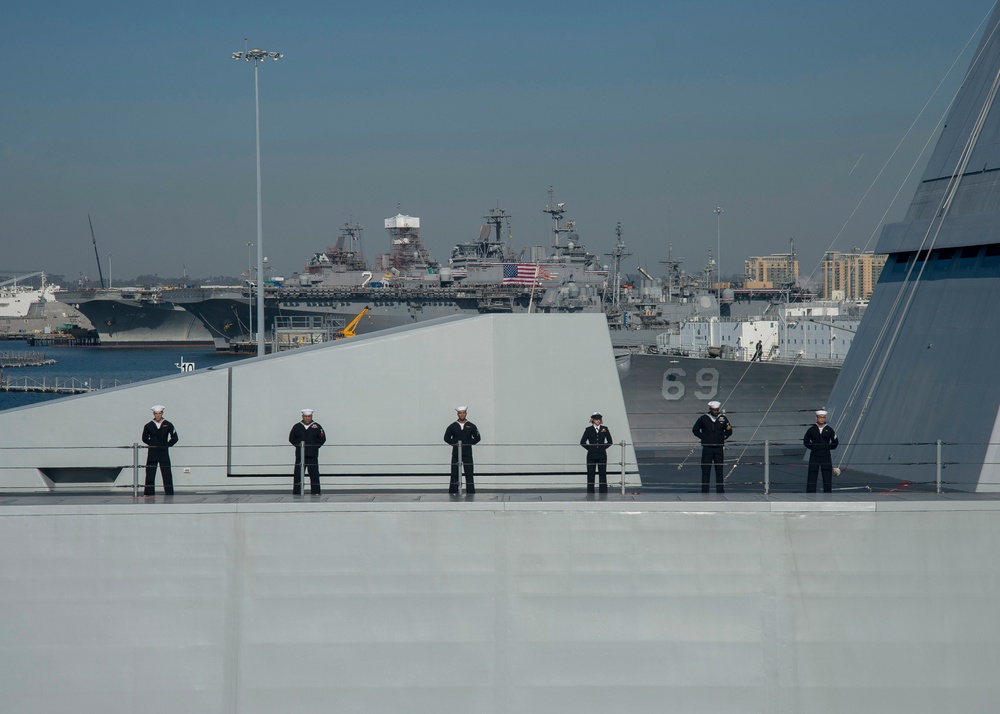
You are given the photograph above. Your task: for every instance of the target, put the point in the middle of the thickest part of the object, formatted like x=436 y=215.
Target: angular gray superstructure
x=385 y=399
x=923 y=364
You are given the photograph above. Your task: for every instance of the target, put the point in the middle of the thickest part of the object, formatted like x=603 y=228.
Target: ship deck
x=900 y=500
x=505 y=601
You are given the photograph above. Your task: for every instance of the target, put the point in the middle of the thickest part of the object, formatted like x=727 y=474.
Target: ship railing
x=353 y=467
x=759 y=467
x=744 y=354
x=860 y=466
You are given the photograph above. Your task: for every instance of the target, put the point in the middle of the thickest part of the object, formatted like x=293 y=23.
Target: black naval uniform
x=597 y=441
x=713 y=434
x=159 y=438
x=820 y=443
x=313 y=437
x=465 y=435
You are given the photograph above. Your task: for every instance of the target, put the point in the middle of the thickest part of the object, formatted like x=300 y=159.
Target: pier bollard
x=135 y=469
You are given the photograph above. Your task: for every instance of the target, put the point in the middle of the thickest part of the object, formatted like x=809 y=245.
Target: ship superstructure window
x=969 y=257
x=944 y=259
x=991 y=259
x=900 y=261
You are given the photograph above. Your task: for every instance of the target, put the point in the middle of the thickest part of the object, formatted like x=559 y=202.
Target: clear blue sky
x=647 y=113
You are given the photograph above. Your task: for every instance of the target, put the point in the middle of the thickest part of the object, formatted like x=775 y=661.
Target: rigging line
x=935 y=226
x=761 y=422
x=909 y=288
x=884 y=328
x=972 y=65
x=893 y=308
x=745 y=371
x=916 y=161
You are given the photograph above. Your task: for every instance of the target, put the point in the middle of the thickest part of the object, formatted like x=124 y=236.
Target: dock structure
x=57 y=385
x=12 y=358
x=523 y=602
x=59 y=339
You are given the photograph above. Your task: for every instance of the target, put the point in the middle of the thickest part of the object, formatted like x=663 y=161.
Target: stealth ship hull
x=920 y=390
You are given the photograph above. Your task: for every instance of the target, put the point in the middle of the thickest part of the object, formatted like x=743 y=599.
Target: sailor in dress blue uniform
x=159 y=435
x=820 y=439
x=596 y=440
x=462 y=433
x=713 y=429
x=312 y=436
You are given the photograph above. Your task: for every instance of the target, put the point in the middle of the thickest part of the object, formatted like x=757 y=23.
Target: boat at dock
x=18 y=300
x=407 y=286
x=137 y=316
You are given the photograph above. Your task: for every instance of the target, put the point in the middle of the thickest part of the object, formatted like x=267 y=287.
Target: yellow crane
x=348 y=331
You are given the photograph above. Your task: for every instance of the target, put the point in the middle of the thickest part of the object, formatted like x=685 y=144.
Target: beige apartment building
x=767 y=272
x=850 y=276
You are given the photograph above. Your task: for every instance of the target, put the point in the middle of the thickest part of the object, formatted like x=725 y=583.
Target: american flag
x=524 y=273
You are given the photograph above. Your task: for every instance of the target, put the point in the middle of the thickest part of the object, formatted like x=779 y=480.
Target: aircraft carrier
x=131 y=317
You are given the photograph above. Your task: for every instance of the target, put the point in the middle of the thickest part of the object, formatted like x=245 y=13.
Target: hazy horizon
x=650 y=114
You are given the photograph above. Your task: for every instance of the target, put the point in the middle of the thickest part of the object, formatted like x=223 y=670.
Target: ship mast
x=350 y=233
x=616 y=256
x=556 y=210
x=495 y=217
x=407 y=248
x=673 y=271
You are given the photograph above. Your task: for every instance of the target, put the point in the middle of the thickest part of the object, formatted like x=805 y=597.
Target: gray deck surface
x=509 y=500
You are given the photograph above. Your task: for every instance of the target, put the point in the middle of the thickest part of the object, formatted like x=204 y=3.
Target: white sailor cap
x=714 y=405
x=157 y=408
x=307 y=412
x=821 y=412
x=596 y=415
x=461 y=409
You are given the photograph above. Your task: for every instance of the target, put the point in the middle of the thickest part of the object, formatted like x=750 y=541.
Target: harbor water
x=102 y=365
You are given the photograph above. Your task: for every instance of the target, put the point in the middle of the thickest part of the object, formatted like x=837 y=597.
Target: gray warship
x=406 y=285
x=137 y=316
x=649 y=318
x=509 y=602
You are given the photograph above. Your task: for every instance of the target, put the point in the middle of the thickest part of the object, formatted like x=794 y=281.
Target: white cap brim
x=158 y=408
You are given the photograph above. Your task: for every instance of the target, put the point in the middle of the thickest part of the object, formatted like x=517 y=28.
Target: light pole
x=719 y=210
x=257 y=56
x=109 y=271
x=250 y=287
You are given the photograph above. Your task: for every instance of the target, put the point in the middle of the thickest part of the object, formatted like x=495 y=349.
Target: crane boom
x=100 y=274
x=349 y=330
x=20 y=277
